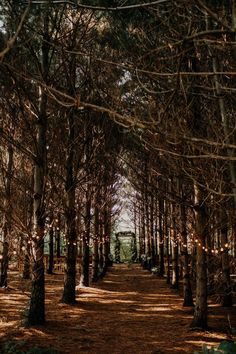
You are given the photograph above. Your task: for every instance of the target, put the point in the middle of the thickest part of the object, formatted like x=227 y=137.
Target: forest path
x=130 y=311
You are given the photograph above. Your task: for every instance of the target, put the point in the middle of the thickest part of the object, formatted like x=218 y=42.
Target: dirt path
x=128 y=312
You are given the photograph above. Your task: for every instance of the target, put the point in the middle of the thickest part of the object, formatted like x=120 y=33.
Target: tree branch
x=11 y=41
x=101 y=8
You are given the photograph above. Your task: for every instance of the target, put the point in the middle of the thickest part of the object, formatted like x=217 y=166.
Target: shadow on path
x=129 y=312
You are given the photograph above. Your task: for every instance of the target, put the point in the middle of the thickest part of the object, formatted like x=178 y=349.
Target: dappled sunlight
x=200 y=343
x=141 y=313
x=129 y=309
x=112 y=301
x=96 y=290
x=6 y=326
x=160 y=296
x=153 y=309
x=37 y=332
x=159 y=305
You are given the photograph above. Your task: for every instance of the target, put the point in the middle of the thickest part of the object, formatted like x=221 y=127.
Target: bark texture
x=200 y=310
x=7 y=219
x=69 y=294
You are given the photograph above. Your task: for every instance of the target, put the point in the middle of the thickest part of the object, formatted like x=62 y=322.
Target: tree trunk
x=51 y=250
x=100 y=248
x=140 y=236
x=187 y=289
x=36 y=313
x=7 y=219
x=5 y=259
x=155 y=211
x=153 y=258
x=200 y=309
x=175 y=266
x=26 y=270
x=134 y=254
x=95 y=260
x=29 y=216
x=161 y=238
x=69 y=295
x=175 y=248
x=86 y=239
x=58 y=236
x=107 y=237
x=168 y=247
x=147 y=224
x=167 y=241
x=143 y=231
x=227 y=300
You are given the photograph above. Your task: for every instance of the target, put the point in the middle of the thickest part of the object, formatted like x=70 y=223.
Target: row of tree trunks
x=169 y=250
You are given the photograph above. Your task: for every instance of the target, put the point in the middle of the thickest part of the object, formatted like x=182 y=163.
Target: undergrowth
x=224 y=347
x=12 y=347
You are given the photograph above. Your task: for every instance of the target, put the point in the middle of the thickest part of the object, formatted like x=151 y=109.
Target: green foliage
x=18 y=348
x=156 y=270
x=228 y=347
x=13 y=348
x=225 y=347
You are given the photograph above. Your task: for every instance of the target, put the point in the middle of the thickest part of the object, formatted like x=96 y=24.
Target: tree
x=7 y=216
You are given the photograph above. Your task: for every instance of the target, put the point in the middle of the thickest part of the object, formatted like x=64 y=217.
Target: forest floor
x=130 y=311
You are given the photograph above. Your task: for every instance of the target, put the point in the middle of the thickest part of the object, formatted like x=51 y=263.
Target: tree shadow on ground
x=129 y=311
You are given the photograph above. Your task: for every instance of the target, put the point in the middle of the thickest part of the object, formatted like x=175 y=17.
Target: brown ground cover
x=129 y=312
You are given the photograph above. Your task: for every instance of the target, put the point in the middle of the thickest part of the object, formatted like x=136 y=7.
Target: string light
x=193 y=242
